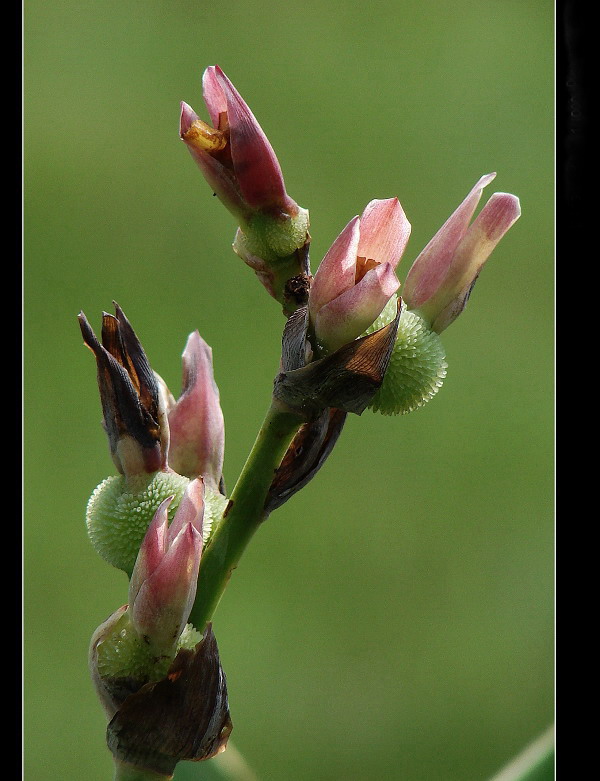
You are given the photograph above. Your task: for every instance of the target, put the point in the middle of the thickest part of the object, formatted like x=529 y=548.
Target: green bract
x=417 y=365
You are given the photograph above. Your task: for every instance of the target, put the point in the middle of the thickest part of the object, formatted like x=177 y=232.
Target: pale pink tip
x=190 y=510
x=197 y=427
x=429 y=269
x=498 y=215
x=213 y=94
x=337 y=270
x=350 y=314
x=384 y=231
x=187 y=117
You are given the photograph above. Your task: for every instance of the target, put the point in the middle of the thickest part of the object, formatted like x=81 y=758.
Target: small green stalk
x=127 y=772
x=534 y=763
x=245 y=511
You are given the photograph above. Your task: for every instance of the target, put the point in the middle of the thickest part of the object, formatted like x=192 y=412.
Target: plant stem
x=127 y=772
x=245 y=511
x=534 y=763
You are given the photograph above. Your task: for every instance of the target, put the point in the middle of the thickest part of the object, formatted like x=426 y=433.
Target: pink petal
x=429 y=269
x=152 y=549
x=186 y=118
x=165 y=599
x=196 y=421
x=190 y=510
x=350 y=314
x=213 y=95
x=384 y=231
x=257 y=168
x=497 y=216
x=337 y=270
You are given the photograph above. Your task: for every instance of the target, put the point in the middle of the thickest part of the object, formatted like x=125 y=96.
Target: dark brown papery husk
x=184 y=716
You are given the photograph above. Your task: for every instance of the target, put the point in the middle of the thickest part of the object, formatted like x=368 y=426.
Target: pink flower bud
x=356 y=278
x=441 y=278
x=163 y=583
x=234 y=155
x=197 y=428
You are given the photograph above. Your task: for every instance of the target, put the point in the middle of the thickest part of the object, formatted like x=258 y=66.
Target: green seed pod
x=274 y=239
x=417 y=365
x=117 y=518
x=121 y=654
x=214 y=507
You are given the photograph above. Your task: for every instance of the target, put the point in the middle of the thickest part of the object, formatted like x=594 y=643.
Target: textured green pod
x=417 y=365
x=117 y=518
x=122 y=654
x=272 y=239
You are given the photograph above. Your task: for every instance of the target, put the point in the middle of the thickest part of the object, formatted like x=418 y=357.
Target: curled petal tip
x=186 y=118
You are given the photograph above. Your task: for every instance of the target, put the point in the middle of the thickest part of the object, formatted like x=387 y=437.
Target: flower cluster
x=170 y=458
x=353 y=339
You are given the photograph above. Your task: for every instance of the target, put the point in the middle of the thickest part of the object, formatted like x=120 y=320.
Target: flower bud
x=356 y=278
x=239 y=164
x=441 y=278
x=417 y=365
x=197 y=429
x=163 y=583
x=134 y=417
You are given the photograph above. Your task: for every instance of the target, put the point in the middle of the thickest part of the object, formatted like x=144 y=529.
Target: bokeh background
x=394 y=620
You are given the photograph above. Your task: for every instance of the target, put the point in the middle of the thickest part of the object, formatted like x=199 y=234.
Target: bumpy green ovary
x=123 y=654
x=272 y=239
x=117 y=519
x=417 y=365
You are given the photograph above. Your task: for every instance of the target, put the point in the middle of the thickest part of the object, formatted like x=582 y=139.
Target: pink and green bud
x=441 y=278
x=197 y=428
x=357 y=276
x=163 y=583
x=134 y=415
x=234 y=154
x=239 y=164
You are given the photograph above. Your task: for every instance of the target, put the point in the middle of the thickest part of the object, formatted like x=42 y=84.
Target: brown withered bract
x=323 y=391
x=305 y=456
x=128 y=390
x=347 y=379
x=184 y=716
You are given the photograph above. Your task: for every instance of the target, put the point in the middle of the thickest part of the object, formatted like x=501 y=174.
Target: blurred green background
x=394 y=620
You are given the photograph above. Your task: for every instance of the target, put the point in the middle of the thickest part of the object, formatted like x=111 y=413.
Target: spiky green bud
x=274 y=239
x=117 y=518
x=417 y=364
x=123 y=654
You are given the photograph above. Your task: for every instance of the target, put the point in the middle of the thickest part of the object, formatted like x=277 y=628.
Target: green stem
x=534 y=763
x=245 y=511
x=127 y=772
